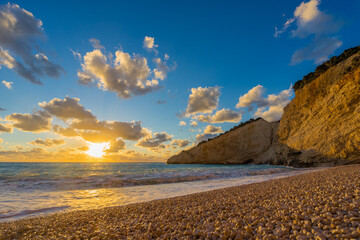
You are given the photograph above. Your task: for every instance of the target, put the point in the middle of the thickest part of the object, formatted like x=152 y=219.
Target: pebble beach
x=317 y=205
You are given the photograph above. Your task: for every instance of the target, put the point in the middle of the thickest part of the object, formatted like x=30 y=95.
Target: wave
x=118 y=180
x=12 y=213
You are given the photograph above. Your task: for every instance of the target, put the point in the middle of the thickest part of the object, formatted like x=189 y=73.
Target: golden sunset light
x=180 y=119
x=97 y=149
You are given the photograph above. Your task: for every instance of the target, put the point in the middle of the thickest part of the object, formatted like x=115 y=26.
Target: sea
x=33 y=189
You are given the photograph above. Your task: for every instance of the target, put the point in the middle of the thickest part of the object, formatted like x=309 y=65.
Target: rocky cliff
x=319 y=127
x=251 y=143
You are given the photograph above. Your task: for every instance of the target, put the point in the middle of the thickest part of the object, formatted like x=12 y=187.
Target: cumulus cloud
x=221 y=116
x=5 y=128
x=193 y=123
x=182 y=123
x=116 y=146
x=311 y=21
x=204 y=136
x=19 y=32
x=8 y=85
x=38 y=122
x=179 y=143
x=66 y=109
x=48 y=142
x=154 y=141
x=203 y=100
x=149 y=44
x=270 y=108
x=65 y=132
x=212 y=129
x=127 y=76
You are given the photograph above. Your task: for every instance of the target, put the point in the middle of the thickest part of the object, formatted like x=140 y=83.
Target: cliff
x=319 y=127
x=251 y=143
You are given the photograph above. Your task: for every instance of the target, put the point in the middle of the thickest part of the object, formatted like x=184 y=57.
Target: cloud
x=96 y=43
x=179 y=143
x=1 y=140
x=203 y=100
x=212 y=129
x=204 y=136
x=127 y=76
x=182 y=123
x=5 y=128
x=270 y=108
x=38 y=122
x=7 y=84
x=76 y=54
x=311 y=21
x=162 y=69
x=66 y=132
x=161 y=102
x=193 y=123
x=319 y=50
x=48 y=142
x=154 y=141
x=116 y=146
x=19 y=32
x=221 y=116
x=149 y=44
x=2 y=109
x=66 y=109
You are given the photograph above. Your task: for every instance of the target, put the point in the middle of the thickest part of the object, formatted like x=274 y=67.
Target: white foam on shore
x=49 y=202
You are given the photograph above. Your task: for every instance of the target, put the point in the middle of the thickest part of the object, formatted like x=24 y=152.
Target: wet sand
x=318 y=205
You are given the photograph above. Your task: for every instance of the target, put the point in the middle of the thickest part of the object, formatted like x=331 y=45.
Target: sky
x=143 y=80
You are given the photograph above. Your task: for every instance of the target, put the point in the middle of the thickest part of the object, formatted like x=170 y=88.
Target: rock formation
x=319 y=127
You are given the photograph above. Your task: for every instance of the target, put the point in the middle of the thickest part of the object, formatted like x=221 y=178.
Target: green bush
x=325 y=66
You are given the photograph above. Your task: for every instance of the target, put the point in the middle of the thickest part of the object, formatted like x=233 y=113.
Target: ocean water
x=30 y=189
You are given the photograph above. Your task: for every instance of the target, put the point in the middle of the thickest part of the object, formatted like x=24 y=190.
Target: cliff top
x=326 y=65
x=232 y=129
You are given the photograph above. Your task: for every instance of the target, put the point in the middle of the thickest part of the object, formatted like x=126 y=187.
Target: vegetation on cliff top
x=325 y=66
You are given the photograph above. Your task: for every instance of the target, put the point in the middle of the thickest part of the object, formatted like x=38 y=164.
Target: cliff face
x=319 y=127
x=323 y=120
x=252 y=143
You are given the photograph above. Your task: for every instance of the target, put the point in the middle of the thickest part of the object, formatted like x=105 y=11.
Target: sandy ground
x=319 y=205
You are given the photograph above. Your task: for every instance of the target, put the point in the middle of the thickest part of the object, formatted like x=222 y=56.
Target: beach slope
x=321 y=205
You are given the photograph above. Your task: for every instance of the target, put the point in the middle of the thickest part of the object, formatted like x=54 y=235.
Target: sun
x=97 y=149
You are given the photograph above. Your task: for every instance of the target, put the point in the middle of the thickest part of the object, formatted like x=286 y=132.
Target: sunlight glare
x=97 y=149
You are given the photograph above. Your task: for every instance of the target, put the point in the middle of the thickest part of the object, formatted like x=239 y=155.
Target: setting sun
x=97 y=149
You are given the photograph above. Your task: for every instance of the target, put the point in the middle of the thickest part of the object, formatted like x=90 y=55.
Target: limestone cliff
x=251 y=143
x=319 y=127
x=323 y=120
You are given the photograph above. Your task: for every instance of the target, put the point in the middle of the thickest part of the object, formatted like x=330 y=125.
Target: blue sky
x=225 y=44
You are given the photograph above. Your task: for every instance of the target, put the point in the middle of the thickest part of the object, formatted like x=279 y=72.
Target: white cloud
x=5 y=128
x=193 y=123
x=7 y=84
x=203 y=100
x=204 y=136
x=76 y=54
x=270 y=108
x=38 y=122
x=221 y=116
x=149 y=43
x=19 y=32
x=179 y=143
x=127 y=76
x=311 y=21
x=212 y=129
x=154 y=141
x=66 y=108
x=182 y=123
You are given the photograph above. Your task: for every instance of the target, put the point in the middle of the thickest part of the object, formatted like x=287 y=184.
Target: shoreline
x=122 y=196
x=322 y=204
